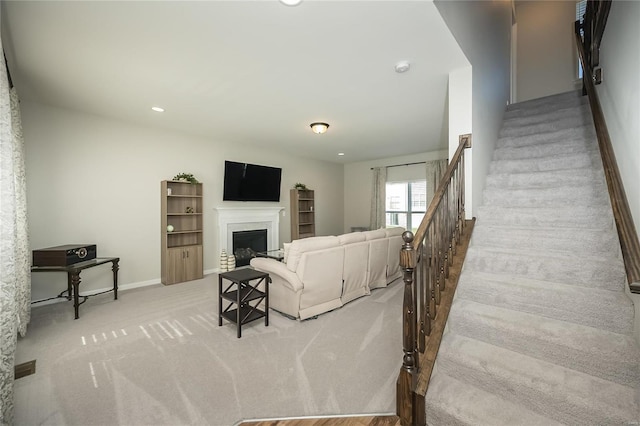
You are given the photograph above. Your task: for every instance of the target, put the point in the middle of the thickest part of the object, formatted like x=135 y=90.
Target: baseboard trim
x=122 y=287
x=338 y=416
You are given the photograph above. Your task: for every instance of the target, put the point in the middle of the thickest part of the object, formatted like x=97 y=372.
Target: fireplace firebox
x=247 y=243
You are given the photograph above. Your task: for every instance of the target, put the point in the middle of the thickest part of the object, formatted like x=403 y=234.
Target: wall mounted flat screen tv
x=251 y=182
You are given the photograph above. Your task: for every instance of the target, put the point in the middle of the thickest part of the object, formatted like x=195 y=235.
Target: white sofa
x=320 y=274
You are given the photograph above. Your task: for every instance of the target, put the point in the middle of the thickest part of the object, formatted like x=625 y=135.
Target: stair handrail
x=588 y=50
x=425 y=259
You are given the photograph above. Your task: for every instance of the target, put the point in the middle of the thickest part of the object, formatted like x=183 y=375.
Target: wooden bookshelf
x=303 y=213
x=181 y=252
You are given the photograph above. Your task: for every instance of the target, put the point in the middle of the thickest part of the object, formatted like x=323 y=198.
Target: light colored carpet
x=158 y=357
x=540 y=328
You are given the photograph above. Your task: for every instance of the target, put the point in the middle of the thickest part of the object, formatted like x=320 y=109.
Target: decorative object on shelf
x=189 y=209
x=319 y=127
x=224 y=261
x=231 y=262
x=185 y=177
x=168 y=191
x=301 y=186
x=169 y=228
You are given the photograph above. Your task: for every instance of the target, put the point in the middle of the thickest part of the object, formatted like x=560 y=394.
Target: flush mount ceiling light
x=291 y=2
x=319 y=127
x=402 y=66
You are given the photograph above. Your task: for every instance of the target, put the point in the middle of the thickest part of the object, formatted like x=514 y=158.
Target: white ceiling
x=251 y=72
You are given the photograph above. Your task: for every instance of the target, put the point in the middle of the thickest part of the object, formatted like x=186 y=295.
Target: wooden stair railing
x=588 y=49
x=425 y=259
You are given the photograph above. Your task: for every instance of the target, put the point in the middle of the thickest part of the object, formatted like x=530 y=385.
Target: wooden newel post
x=408 y=372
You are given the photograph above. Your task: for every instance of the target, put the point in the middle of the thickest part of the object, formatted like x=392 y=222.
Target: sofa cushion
x=298 y=247
x=392 y=232
x=352 y=237
x=374 y=235
x=285 y=249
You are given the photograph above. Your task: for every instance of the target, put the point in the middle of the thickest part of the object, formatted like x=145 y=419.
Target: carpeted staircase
x=540 y=331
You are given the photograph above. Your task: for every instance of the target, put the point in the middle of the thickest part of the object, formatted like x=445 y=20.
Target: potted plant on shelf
x=300 y=186
x=185 y=177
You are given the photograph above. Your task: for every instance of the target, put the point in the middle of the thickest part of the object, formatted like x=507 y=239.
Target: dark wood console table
x=73 y=276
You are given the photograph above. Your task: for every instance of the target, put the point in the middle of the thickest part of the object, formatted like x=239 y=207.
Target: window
x=406 y=203
x=581 y=8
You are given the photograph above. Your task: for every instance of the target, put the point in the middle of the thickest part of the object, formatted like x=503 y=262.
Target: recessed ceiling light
x=157 y=109
x=341 y=153
x=291 y=2
x=402 y=66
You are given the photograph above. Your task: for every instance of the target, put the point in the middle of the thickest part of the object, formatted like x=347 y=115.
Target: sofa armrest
x=272 y=266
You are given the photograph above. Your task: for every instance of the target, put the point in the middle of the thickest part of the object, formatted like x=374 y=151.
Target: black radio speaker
x=64 y=255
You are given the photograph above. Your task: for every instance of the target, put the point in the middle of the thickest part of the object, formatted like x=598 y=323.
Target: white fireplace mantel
x=235 y=219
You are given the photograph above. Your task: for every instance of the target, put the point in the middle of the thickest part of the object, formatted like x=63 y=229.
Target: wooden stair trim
x=428 y=358
x=628 y=236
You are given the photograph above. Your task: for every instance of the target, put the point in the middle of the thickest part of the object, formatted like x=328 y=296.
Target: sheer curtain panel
x=15 y=283
x=378 y=198
x=435 y=170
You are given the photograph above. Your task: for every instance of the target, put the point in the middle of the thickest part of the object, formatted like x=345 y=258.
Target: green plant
x=300 y=186
x=185 y=176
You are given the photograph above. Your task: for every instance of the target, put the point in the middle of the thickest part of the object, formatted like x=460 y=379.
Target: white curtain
x=378 y=198
x=435 y=170
x=15 y=278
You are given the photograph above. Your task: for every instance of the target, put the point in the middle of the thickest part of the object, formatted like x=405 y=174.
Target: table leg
x=69 y=291
x=238 y=313
x=115 y=269
x=219 y=300
x=75 y=282
x=267 y=281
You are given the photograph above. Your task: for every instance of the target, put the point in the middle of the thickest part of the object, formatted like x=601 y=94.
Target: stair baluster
x=425 y=259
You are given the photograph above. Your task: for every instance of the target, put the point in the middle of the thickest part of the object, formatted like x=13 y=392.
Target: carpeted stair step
x=582 y=195
x=559 y=162
x=580 y=112
x=576 y=241
x=596 y=217
x=563 y=394
x=546 y=104
x=551 y=149
x=552 y=125
x=541 y=324
x=587 y=133
x=591 y=272
x=604 y=309
x=454 y=403
x=601 y=353
x=546 y=179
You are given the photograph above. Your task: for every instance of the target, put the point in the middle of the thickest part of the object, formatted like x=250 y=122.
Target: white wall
x=461 y=123
x=619 y=96
x=95 y=180
x=483 y=31
x=358 y=184
x=547 y=59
